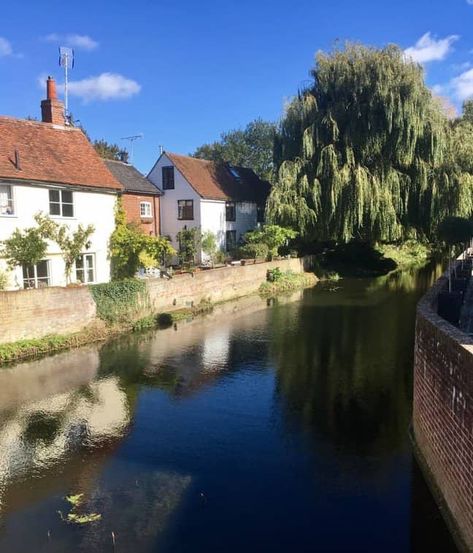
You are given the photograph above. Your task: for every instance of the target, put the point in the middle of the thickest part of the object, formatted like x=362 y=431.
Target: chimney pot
x=51 y=93
x=52 y=109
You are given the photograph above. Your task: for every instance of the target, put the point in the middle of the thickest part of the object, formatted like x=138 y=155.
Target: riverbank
x=132 y=305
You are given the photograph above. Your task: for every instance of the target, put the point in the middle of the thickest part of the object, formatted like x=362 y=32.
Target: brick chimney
x=52 y=109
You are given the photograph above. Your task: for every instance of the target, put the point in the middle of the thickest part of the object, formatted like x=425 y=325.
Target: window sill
x=9 y=216
x=62 y=217
x=186 y=219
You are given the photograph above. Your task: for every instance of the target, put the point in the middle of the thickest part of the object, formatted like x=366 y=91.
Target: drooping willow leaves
x=366 y=152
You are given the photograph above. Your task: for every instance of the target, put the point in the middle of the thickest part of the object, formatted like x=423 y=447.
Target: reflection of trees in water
x=344 y=370
x=409 y=280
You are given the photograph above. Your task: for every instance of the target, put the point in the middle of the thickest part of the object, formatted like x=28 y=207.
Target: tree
x=364 y=152
x=24 y=248
x=209 y=245
x=468 y=110
x=250 y=147
x=71 y=243
x=107 y=150
x=189 y=241
x=273 y=236
x=128 y=243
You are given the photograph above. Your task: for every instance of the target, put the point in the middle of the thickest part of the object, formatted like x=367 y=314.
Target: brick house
x=140 y=197
x=51 y=167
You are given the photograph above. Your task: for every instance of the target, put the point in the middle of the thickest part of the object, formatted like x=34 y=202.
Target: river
x=280 y=427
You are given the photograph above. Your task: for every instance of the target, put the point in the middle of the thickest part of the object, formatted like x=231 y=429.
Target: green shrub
x=255 y=250
x=287 y=282
x=3 y=280
x=273 y=275
x=118 y=301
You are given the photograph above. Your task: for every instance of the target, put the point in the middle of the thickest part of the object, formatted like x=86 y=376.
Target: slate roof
x=215 y=181
x=131 y=179
x=51 y=153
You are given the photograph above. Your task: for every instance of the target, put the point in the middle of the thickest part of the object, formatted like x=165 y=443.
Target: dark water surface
x=280 y=428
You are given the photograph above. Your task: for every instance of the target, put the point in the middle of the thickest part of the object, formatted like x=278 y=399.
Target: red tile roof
x=53 y=154
x=214 y=181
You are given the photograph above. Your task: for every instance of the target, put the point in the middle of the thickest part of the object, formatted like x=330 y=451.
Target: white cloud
x=469 y=2
x=5 y=48
x=428 y=48
x=463 y=85
x=107 y=86
x=84 y=42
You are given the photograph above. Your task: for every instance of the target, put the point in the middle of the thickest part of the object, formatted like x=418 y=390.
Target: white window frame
x=35 y=279
x=146 y=211
x=10 y=202
x=84 y=270
x=61 y=203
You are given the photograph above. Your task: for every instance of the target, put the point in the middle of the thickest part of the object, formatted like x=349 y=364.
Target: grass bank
x=286 y=282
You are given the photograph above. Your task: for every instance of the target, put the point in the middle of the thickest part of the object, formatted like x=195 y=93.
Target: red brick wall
x=131 y=203
x=37 y=313
x=443 y=410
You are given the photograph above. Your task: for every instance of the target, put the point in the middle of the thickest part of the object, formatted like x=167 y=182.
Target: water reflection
x=277 y=428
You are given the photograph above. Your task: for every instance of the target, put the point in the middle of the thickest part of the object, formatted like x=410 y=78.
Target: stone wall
x=37 y=313
x=216 y=285
x=29 y=314
x=443 y=412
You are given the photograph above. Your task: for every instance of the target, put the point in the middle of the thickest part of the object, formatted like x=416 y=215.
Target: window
x=85 y=268
x=168 y=177
x=230 y=240
x=6 y=200
x=36 y=276
x=145 y=209
x=60 y=203
x=230 y=211
x=260 y=214
x=185 y=210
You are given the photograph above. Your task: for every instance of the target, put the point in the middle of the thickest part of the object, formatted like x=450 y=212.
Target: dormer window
x=61 y=203
x=7 y=207
x=168 y=177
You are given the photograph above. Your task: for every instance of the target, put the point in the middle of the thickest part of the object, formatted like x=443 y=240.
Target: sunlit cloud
x=429 y=48
x=84 y=42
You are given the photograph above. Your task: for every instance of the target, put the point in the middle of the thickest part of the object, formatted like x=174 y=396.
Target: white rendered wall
x=213 y=220
x=170 y=224
x=94 y=208
x=245 y=220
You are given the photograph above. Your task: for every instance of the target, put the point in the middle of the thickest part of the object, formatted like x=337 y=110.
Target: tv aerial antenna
x=132 y=139
x=66 y=60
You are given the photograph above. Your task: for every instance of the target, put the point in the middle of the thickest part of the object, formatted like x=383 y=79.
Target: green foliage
x=71 y=243
x=455 y=230
x=273 y=275
x=408 y=254
x=24 y=247
x=118 y=301
x=189 y=241
x=365 y=152
x=73 y=517
x=468 y=110
x=209 y=244
x=131 y=248
x=286 y=282
x=273 y=236
x=250 y=147
x=107 y=150
x=254 y=250
x=75 y=500
x=3 y=280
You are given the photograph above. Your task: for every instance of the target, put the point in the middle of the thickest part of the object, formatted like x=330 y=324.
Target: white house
x=52 y=168
x=226 y=200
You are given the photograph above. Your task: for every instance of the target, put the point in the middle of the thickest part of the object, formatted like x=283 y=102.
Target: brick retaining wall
x=443 y=411
x=37 y=313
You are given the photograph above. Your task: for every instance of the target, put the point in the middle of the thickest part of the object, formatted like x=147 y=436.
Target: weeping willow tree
x=365 y=152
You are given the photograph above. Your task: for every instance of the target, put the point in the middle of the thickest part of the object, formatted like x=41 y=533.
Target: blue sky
x=181 y=72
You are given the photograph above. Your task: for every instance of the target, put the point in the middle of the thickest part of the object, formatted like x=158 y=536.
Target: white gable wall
x=170 y=224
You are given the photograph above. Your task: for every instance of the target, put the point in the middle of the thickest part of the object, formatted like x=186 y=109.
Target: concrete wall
x=37 y=313
x=443 y=411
